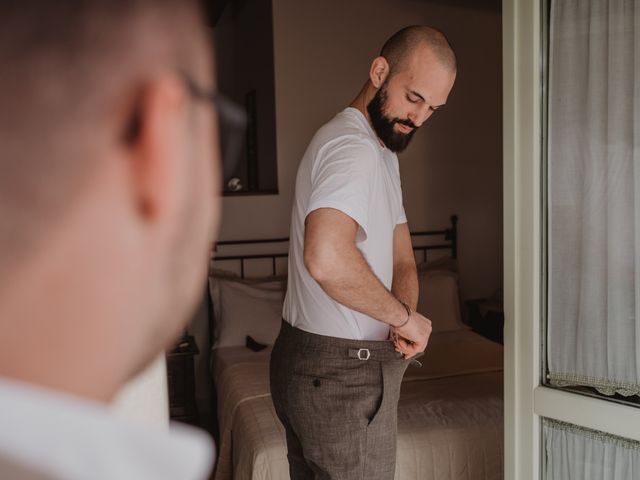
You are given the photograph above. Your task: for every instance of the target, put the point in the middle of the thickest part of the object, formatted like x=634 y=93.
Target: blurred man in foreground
x=109 y=169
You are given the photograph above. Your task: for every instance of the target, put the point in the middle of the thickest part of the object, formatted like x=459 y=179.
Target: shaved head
x=70 y=71
x=398 y=49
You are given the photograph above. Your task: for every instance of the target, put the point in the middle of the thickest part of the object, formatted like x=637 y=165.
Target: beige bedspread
x=450 y=419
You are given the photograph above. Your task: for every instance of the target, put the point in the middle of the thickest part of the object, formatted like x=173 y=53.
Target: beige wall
x=454 y=165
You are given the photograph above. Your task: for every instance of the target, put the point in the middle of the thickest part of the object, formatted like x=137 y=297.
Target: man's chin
x=399 y=142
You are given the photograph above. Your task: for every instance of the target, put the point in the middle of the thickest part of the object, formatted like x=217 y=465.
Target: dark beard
x=383 y=126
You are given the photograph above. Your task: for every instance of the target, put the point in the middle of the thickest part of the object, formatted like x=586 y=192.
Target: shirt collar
x=70 y=437
x=367 y=126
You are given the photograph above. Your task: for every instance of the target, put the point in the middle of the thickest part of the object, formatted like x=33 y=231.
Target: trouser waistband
x=379 y=350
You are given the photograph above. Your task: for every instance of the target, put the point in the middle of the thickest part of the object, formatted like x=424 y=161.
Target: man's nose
x=420 y=116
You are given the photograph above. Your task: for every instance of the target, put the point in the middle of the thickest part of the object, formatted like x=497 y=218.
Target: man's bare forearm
x=353 y=284
x=405 y=284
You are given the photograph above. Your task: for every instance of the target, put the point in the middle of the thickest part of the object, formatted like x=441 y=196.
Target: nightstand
x=181 y=380
x=486 y=317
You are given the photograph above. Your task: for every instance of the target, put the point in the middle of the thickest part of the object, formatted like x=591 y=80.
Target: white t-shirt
x=347 y=168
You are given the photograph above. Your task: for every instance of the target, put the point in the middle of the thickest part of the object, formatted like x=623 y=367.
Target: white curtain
x=594 y=195
x=576 y=453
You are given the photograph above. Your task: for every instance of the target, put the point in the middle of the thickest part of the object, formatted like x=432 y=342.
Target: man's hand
x=412 y=338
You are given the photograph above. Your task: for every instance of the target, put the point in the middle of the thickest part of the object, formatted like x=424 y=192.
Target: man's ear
x=154 y=142
x=379 y=71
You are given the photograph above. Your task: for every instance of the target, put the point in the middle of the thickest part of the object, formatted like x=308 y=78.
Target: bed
x=450 y=413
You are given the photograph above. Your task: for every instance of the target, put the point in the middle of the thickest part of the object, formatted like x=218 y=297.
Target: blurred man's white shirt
x=71 y=438
x=145 y=398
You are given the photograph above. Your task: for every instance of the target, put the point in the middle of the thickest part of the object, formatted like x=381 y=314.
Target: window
x=593 y=198
x=572 y=233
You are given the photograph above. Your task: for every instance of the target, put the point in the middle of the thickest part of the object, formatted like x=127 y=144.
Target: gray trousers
x=337 y=399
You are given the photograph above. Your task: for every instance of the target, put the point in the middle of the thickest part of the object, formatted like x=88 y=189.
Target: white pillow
x=439 y=299
x=246 y=307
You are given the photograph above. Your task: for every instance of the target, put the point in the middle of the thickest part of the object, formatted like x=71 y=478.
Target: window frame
x=524 y=168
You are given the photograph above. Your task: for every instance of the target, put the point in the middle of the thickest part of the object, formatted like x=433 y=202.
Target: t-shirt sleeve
x=402 y=218
x=343 y=178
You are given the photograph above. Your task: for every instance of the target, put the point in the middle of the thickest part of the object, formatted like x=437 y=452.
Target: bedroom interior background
x=454 y=165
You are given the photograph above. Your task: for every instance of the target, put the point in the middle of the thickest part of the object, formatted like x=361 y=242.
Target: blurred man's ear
x=379 y=71
x=154 y=137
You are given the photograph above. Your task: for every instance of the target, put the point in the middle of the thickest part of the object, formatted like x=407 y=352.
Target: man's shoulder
x=344 y=129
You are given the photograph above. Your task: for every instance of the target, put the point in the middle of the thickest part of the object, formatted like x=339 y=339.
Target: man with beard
x=108 y=209
x=349 y=323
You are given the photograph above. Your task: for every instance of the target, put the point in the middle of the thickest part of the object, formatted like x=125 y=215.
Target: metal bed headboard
x=450 y=236
x=449 y=241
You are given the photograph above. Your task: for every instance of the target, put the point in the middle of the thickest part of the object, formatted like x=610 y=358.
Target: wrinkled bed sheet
x=450 y=414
